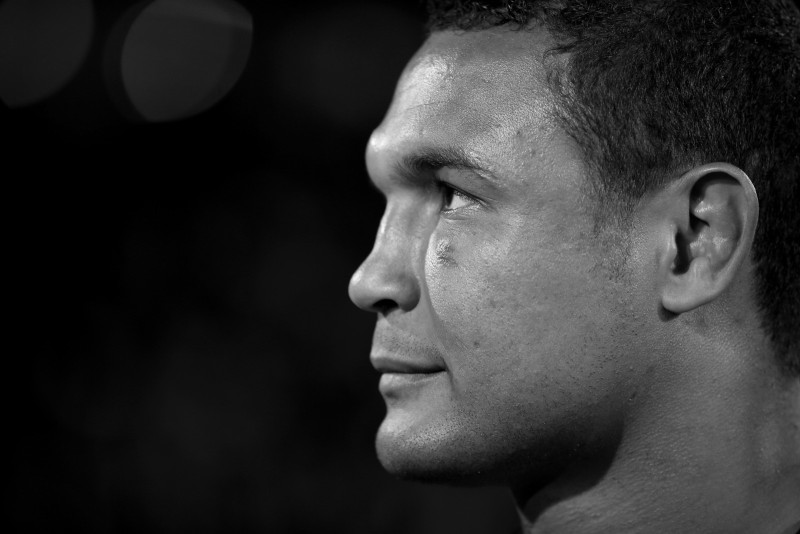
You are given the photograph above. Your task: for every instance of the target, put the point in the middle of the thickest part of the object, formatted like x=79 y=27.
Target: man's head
x=648 y=89
x=571 y=219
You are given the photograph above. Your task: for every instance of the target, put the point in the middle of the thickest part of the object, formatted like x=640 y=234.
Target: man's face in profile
x=499 y=331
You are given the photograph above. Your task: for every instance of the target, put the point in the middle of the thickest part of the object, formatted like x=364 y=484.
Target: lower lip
x=391 y=382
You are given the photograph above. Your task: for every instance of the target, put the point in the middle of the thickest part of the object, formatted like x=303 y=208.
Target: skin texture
x=606 y=399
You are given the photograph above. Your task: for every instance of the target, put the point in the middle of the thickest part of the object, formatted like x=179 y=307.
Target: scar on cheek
x=444 y=253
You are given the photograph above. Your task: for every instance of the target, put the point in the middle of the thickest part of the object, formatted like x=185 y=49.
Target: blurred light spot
x=43 y=43
x=180 y=57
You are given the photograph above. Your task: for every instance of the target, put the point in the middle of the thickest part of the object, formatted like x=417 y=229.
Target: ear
x=712 y=214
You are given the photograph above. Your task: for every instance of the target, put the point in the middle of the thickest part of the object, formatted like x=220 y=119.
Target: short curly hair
x=648 y=88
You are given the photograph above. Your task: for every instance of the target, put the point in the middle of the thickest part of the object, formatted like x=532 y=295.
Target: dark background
x=183 y=354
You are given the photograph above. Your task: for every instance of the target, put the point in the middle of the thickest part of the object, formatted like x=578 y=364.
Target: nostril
x=384 y=306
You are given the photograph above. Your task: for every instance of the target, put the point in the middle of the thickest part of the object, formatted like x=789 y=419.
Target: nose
x=387 y=279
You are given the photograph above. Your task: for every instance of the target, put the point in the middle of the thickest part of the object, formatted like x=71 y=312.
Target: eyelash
x=448 y=192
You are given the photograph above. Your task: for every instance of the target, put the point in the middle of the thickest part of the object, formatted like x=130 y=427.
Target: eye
x=453 y=199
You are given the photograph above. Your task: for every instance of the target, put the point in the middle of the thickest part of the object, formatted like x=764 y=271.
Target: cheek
x=475 y=285
x=512 y=301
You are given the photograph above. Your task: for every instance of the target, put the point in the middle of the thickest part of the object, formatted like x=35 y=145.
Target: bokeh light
x=178 y=58
x=190 y=359
x=43 y=44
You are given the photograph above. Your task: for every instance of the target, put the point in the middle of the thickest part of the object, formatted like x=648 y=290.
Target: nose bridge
x=390 y=277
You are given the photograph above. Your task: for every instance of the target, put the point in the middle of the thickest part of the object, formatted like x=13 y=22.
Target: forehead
x=484 y=91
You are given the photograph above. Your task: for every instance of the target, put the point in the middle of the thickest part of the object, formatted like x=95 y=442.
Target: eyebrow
x=413 y=166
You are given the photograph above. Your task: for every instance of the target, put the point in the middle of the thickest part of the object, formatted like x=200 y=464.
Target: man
x=586 y=276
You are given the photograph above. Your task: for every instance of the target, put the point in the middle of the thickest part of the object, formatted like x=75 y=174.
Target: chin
x=449 y=452
x=417 y=461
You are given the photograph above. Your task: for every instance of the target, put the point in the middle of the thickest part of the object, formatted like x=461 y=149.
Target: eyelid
x=472 y=199
x=474 y=184
x=442 y=182
x=431 y=180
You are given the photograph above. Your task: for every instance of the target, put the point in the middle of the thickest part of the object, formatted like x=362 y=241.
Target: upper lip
x=397 y=351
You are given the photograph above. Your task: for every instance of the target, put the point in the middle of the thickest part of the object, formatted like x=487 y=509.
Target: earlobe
x=714 y=216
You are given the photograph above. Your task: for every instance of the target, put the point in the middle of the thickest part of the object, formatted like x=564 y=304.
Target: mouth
x=406 y=362
x=401 y=376
x=404 y=366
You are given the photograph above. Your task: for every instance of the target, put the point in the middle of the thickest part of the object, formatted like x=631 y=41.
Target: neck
x=721 y=456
